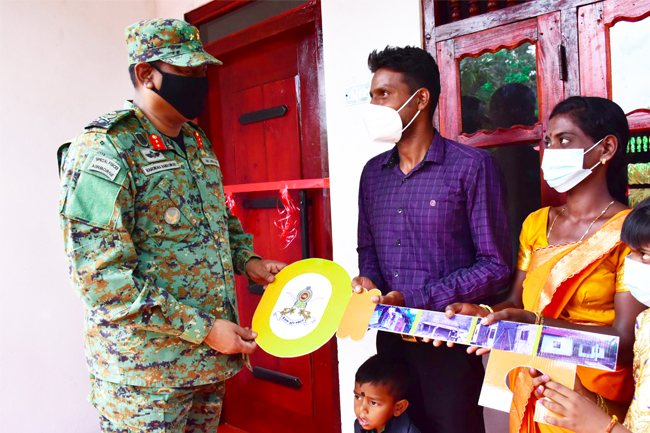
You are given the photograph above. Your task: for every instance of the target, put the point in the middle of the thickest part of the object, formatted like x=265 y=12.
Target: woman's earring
x=603 y=161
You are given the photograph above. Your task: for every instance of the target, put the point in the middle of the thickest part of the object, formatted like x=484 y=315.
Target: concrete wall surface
x=351 y=30
x=62 y=63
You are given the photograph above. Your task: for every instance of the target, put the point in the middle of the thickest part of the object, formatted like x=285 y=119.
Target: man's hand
x=228 y=338
x=468 y=310
x=263 y=271
x=511 y=315
x=392 y=298
x=362 y=282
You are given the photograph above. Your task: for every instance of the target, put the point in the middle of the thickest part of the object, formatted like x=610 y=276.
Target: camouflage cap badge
x=171 y=41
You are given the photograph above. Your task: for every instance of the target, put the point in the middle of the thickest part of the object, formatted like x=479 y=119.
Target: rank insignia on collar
x=198 y=139
x=157 y=143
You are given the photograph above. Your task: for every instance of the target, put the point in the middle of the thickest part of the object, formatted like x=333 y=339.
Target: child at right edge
x=380 y=388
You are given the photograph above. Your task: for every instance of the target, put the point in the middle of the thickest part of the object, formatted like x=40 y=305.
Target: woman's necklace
x=548 y=235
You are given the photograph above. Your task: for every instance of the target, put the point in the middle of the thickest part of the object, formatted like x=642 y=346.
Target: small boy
x=380 y=387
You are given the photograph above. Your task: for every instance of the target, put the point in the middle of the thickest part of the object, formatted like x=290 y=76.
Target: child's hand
x=580 y=414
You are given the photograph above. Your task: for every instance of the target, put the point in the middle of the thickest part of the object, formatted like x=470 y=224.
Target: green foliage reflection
x=481 y=76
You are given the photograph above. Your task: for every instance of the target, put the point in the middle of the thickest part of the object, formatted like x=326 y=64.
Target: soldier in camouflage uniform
x=152 y=247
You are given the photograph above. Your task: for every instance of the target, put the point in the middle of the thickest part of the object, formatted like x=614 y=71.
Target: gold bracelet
x=487 y=307
x=600 y=402
x=539 y=319
x=612 y=423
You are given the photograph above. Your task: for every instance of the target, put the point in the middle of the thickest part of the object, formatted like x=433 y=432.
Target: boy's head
x=636 y=234
x=380 y=387
x=636 y=231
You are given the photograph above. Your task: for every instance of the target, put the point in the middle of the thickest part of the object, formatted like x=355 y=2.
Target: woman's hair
x=598 y=118
x=636 y=227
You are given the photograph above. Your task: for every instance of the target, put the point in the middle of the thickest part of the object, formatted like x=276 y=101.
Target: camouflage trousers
x=127 y=408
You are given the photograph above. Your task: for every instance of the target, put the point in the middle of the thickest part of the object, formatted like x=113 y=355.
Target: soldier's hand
x=263 y=271
x=228 y=338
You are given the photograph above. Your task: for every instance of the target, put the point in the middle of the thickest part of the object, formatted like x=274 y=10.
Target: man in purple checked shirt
x=433 y=230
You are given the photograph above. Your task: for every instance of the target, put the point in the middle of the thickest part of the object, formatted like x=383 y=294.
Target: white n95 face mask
x=384 y=123
x=637 y=279
x=563 y=167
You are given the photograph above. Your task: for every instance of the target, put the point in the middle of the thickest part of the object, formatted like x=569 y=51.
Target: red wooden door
x=270 y=65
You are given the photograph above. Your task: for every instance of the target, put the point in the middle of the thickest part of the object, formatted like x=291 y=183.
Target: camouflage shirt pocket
x=173 y=220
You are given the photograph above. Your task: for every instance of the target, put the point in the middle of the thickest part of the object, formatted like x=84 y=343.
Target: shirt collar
x=436 y=152
x=186 y=129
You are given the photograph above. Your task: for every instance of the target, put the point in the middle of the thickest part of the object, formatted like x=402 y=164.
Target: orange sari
x=574 y=282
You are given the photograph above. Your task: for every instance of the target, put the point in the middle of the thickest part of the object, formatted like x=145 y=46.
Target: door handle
x=277 y=377
x=261 y=115
x=256 y=289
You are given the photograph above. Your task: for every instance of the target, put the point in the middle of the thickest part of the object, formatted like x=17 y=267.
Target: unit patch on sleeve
x=210 y=161
x=105 y=166
x=152 y=155
x=159 y=166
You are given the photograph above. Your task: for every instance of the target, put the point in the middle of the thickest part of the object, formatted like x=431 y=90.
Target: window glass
x=629 y=44
x=499 y=90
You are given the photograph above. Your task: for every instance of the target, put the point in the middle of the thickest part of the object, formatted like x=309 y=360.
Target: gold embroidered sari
x=638 y=416
x=574 y=282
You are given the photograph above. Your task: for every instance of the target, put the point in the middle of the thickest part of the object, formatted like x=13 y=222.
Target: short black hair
x=598 y=118
x=636 y=227
x=418 y=67
x=387 y=370
x=134 y=80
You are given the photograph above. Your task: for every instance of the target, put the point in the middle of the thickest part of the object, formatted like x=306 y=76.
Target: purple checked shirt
x=439 y=234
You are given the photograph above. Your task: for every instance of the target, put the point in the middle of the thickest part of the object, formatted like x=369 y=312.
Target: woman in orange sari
x=571 y=260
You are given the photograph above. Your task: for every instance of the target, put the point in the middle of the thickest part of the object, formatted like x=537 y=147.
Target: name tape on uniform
x=105 y=166
x=160 y=166
x=588 y=349
x=210 y=161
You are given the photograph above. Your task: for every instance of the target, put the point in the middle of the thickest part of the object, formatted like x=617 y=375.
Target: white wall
x=176 y=8
x=351 y=30
x=62 y=64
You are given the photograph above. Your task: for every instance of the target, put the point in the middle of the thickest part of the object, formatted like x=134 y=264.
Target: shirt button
x=399 y=243
x=396 y=274
x=399 y=210
x=404 y=180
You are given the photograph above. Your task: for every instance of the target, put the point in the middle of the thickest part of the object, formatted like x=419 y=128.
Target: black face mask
x=185 y=94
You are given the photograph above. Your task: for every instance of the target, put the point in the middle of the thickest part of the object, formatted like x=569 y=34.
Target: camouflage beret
x=171 y=41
